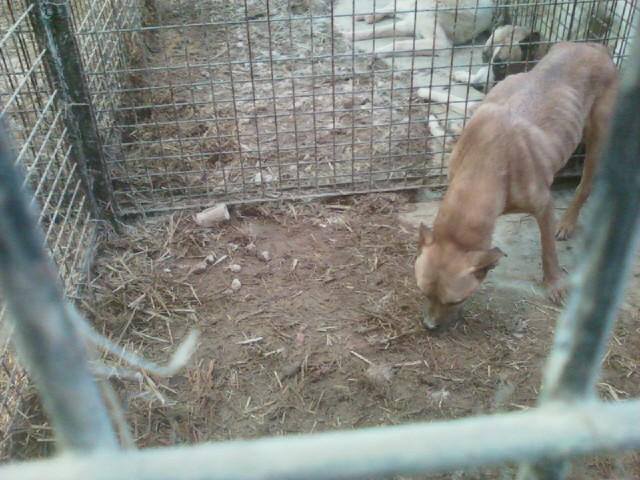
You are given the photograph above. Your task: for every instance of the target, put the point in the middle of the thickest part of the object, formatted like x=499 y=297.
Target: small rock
x=348 y=103
x=290 y=370
x=251 y=248
x=440 y=396
x=234 y=267
x=263 y=178
x=504 y=393
x=200 y=268
x=265 y=256
x=236 y=285
x=379 y=375
x=210 y=259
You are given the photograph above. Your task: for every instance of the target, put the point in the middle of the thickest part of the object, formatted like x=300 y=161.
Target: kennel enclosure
x=131 y=107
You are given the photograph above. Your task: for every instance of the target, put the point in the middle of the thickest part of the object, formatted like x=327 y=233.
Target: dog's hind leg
x=381 y=14
x=428 y=38
x=594 y=136
x=552 y=274
x=383 y=31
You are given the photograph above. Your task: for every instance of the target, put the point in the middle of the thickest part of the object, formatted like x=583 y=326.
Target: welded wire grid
x=611 y=22
x=108 y=40
x=28 y=108
x=252 y=100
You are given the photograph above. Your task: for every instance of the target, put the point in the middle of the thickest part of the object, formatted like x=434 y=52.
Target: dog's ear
x=530 y=46
x=487 y=51
x=425 y=236
x=486 y=261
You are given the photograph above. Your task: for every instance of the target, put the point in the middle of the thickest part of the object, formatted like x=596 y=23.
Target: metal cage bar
x=47 y=341
x=30 y=107
x=366 y=453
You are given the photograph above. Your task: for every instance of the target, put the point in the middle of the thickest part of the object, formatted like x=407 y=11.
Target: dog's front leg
x=462 y=76
x=484 y=76
x=380 y=14
x=552 y=273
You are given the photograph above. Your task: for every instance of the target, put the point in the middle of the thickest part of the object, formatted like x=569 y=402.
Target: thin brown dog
x=521 y=135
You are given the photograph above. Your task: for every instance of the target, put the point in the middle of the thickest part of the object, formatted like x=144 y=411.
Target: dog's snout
x=481 y=87
x=435 y=314
x=499 y=70
x=428 y=320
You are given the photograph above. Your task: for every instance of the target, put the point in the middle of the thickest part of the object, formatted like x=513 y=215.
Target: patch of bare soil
x=325 y=334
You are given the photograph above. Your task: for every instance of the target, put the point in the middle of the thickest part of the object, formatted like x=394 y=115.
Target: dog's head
x=511 y=49
x=448 y=275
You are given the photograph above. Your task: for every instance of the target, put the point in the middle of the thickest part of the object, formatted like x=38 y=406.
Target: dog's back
x=545 y=111
x=569 y=71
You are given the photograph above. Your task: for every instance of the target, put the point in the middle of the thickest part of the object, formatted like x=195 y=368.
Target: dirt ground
x=326 y=335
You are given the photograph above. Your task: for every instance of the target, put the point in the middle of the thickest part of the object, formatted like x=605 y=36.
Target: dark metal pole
x=47 y=342
x=54 y=30
x=611 y=239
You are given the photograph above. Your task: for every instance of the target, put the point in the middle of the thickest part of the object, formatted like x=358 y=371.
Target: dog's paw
x=556 y=291
x=565 y=230
x=461 y=76
x=424 y=92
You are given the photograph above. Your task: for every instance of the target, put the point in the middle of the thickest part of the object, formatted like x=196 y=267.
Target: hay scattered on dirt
x=324 y=335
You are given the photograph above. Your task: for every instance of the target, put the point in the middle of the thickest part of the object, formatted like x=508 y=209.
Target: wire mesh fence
x=254 y=100
x=570 y=421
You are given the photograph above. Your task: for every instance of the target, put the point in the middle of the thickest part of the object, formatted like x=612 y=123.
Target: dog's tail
x=459 y=105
